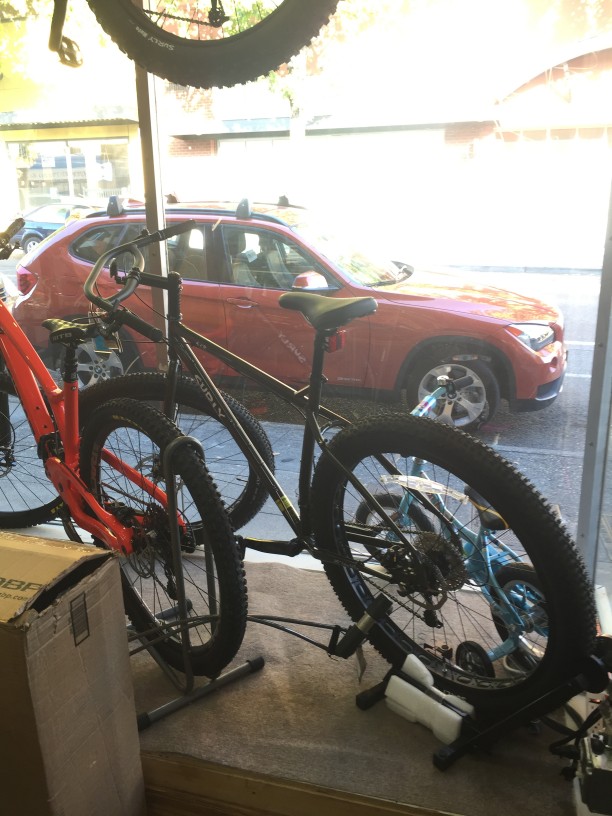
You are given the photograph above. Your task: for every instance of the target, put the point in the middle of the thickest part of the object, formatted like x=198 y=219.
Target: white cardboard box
x=69 y=742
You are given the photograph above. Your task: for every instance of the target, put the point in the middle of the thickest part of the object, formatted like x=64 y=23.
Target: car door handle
x=242 y=303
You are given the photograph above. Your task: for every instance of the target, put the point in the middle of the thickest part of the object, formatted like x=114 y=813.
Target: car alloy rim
x=471 y=401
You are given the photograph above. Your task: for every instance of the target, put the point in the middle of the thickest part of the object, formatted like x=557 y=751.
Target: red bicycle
x=109 y=476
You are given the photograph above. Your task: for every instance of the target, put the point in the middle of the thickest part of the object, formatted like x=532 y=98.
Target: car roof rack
x=243 y=210
x=114 y=206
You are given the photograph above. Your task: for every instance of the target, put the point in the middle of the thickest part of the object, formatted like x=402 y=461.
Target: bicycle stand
x=179 y=614
x=442 y=714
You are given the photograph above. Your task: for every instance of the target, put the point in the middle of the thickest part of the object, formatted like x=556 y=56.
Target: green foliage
x=242 y=16
x=18 y=9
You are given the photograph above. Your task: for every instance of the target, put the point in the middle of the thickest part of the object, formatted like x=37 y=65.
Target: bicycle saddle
x=323 y=312
x=68 y=334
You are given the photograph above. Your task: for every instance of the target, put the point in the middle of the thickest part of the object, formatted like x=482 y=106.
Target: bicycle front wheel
x=211 y=567
x=489 y=591
x=194 y=44
x=240 y=487
x=27 y=497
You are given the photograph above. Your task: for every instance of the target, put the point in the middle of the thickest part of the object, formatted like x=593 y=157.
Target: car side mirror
x=310 y=280
x=404 y=267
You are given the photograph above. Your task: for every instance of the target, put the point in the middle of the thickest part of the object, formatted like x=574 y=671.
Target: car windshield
x=364 y=266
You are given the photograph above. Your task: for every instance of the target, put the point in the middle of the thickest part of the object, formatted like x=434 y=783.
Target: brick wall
x=194 y=146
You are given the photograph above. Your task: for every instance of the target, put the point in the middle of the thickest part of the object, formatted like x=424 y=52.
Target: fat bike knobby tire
x=212 y=570
x=448 y=610
x=181 y=46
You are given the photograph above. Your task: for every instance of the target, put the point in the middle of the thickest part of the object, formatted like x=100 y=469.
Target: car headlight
x=534 y=335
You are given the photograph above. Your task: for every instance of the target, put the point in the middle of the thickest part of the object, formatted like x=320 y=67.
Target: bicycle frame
x=482 y=559
x=181 y=340
x=307 y=399
x=52 y=413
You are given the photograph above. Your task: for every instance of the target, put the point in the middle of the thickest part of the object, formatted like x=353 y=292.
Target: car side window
x=126 y=259
x=265 y=260
x=187 y=254
x=91 y=244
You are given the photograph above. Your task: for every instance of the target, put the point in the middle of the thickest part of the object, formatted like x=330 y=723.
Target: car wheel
x=97 y=362
x=29 y=242
x=475 y=404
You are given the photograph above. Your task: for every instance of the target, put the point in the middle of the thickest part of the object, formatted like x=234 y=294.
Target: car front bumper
x=546 y=395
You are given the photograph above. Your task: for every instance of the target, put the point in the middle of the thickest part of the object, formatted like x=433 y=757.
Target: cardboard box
x=68 y=736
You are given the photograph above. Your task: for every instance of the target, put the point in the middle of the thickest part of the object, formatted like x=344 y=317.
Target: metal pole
x=598 y=422
x=157 y=258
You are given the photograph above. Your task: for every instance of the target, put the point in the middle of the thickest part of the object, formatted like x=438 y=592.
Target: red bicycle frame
x=54 y=411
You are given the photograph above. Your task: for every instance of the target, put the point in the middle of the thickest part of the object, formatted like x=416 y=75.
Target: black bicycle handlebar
x=133 y=277
x=163 y=235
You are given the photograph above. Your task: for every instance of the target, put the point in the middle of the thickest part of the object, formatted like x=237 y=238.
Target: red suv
x=236 y=262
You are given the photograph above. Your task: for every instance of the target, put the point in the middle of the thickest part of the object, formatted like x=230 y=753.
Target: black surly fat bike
x=479 y=578
x=202 y=43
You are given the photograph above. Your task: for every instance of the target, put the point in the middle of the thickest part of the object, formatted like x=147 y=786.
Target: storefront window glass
x=89 y=169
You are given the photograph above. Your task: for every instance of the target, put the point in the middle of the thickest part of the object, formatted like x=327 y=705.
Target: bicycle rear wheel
x=212 y=569
x=500 y=576
x=27 y=497
x=241 y=489
x=184 y=43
